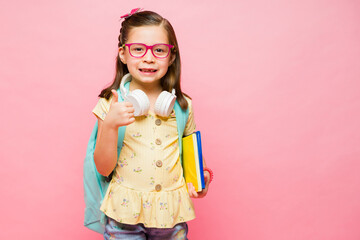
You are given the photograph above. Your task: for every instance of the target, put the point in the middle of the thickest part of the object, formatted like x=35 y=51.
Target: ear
x=172 y=59
x=122 y=55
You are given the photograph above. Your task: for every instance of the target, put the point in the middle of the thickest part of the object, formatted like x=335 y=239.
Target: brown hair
x=172 y=77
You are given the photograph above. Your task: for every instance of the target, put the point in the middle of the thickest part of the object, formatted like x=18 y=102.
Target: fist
x=120 y=113
x=191 y=188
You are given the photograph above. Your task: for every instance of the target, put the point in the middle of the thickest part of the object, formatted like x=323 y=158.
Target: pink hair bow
x=135 y=10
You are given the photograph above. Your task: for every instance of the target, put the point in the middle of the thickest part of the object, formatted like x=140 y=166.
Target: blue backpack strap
x=181 y=119
x=92 y=186
x=95 y=185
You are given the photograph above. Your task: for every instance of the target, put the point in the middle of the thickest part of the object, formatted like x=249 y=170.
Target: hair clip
x=135 y=10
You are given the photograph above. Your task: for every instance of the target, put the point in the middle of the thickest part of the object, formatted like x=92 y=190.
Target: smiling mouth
x=147 y=70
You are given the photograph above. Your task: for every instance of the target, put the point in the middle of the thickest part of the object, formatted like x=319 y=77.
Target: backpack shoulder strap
x=95 y=185
x=181 y=119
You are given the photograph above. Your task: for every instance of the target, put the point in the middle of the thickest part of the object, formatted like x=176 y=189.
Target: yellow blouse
x=148 y=185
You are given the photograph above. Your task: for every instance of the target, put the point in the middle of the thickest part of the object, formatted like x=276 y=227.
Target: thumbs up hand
x=120 y=113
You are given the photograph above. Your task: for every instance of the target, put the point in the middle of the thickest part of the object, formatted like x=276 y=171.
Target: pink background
x=275 y=86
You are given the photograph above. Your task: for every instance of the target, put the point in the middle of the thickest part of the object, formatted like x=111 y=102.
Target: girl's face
x=147 y=70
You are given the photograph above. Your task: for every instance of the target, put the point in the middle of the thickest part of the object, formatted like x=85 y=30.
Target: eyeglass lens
x=159 y=50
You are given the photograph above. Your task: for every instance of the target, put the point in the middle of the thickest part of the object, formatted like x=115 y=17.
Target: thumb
x=115 y=96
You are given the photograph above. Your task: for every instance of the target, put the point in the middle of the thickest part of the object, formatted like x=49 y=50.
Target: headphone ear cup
x=139 y=101
x=164 y=104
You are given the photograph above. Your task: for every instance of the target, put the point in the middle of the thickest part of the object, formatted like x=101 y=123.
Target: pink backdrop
x=275 y=86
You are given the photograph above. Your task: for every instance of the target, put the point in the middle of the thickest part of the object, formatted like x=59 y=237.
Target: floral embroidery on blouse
x=152 y=180
x=136 y=135
x=163 y=206
x=111 y=194
x=123 y=162
x=176 y=178
x=119 y=179
x=125 y=202
x=147 y=204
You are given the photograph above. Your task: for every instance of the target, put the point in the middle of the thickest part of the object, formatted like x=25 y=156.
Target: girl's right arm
x=105 y=154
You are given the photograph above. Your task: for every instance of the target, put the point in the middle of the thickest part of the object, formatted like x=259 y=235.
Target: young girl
x=147 y=197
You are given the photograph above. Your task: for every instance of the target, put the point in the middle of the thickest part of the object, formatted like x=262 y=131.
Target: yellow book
x=192 y=161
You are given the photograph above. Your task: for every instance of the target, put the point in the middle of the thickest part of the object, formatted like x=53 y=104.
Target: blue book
x=198 y=136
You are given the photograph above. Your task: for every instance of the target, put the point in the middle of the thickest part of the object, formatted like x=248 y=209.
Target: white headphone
x=163 y=106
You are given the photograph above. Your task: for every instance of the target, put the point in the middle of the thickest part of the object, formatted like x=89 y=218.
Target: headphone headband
x=126 y=78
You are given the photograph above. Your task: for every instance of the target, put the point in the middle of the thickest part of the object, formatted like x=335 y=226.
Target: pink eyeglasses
x=138 y=50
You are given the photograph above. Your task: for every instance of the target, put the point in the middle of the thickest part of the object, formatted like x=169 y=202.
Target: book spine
x=200 y=159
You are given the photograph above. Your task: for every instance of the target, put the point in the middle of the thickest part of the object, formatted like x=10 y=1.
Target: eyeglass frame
x=149 y=47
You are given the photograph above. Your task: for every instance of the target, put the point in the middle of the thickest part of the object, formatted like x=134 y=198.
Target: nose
x=148 y=57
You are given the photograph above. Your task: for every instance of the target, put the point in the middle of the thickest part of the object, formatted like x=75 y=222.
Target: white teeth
x=148 y=70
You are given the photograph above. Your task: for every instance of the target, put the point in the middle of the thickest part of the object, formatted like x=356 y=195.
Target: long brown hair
x=172 y=77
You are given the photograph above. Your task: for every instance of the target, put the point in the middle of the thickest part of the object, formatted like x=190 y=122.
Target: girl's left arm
x=203 y=193
x=190 y=128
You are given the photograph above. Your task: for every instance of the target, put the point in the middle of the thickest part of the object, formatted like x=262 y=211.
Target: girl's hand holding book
x=191 y=188
x=120 y=113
